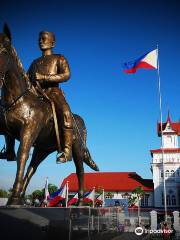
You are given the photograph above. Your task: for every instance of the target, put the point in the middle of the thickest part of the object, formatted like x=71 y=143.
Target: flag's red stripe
x=87 y=200
x=72 y=201
x=139 y=65
x=55 y=201
x=99 y=201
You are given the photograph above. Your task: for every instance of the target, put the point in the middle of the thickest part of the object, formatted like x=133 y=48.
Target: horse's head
x=5 y=43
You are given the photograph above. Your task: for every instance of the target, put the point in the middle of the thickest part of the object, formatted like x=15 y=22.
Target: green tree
x=99 y=190
x=52 y=188
x=10 y=192
x=29 y=196
x=3 y=193
x=41 y=193
x=38 y=194
x=109 y=195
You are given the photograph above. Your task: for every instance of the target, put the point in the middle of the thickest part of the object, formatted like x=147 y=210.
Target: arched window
x=172 y=173
x=173 y=200
x=167 y=173
x=168 y=200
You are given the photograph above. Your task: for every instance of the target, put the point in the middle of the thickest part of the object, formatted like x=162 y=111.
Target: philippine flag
x=57 y=196
x=89 y=196
x=73 y=200
x=147 y=61
x=100 y=199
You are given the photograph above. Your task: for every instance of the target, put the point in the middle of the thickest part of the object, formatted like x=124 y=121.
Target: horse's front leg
x=37 y=158
x=28 y=136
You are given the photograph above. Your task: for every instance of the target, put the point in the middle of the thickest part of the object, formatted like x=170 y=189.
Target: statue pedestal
x=34 y=223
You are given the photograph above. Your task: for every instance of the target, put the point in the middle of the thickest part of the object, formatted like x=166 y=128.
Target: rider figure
x=48 y=71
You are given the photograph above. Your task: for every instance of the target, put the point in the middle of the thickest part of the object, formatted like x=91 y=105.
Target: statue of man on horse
x=28 y=113
x=45 y=74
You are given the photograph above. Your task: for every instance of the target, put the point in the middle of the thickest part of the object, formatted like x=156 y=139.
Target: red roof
x=166 y=150
x=110 y=181
x=174 y=125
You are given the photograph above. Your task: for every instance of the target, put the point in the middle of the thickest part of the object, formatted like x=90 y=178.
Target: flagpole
x=46 y=188
x=161 y=127
x=67 y=192
x=103 y=199
x=93 y=196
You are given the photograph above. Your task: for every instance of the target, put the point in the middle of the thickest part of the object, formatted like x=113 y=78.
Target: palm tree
x=137 y=195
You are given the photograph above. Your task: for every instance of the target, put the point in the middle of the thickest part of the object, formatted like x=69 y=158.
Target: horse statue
x=28 y=118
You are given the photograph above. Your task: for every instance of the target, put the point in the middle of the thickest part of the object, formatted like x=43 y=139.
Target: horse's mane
x=19 y=64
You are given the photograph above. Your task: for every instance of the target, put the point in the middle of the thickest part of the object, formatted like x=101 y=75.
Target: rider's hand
x=39 y=76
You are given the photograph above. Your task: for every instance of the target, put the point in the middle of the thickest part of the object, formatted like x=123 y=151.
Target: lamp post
x=139 y=221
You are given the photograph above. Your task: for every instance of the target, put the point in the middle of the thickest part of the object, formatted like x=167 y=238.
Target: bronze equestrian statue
x=45 y=73
x=27 y=116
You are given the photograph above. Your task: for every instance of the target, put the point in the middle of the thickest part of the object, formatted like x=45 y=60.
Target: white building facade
x=169 y=154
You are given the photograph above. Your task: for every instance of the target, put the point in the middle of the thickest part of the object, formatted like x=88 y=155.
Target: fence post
x=89 y=215
x=70 y=224
x=153 y=220
x=176 y=220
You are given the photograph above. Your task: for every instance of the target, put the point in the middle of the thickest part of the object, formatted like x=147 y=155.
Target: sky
x=120 y=110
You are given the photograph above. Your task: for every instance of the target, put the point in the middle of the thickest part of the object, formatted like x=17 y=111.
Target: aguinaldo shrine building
x=119 y=185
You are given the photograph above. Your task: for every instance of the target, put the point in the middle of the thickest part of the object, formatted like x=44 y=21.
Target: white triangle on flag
x=151 y=58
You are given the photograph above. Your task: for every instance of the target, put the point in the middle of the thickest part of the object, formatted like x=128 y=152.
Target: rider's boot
x=66 y=154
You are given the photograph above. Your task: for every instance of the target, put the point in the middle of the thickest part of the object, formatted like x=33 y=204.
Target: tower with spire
x=169 y=153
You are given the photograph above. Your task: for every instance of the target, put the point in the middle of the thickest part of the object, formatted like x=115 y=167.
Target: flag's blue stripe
x=133 y=64
x=54 y=194
x=86 y=194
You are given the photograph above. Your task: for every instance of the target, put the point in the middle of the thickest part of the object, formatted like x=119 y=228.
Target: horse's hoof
x=15 y=201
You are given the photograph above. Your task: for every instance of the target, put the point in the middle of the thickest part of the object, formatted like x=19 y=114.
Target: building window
x=167 y=173
x=125 y=195
x=179 y=197
x=144 y=200
x=172 y=173
x=161 y=174
x=173 y=200
x=168 y=200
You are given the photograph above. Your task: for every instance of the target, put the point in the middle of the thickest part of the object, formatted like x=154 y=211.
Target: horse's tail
x=88 y=160
x=81 y=134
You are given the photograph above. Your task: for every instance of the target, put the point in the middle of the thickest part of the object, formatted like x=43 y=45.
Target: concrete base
x=34 y=223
